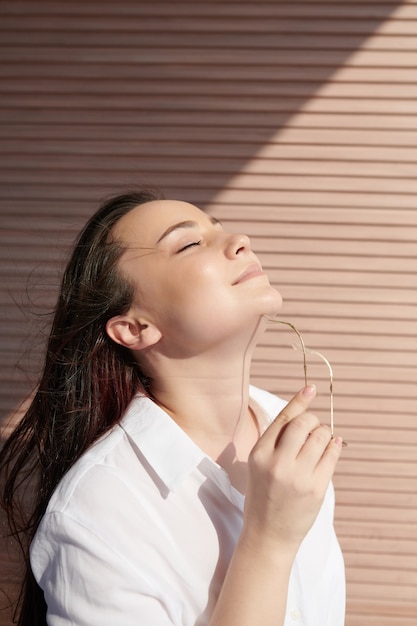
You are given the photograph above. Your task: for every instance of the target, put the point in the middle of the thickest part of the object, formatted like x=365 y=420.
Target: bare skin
x=201 y=299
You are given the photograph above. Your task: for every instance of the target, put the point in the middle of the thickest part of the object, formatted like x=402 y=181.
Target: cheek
x=198 y=305
x=196 y=284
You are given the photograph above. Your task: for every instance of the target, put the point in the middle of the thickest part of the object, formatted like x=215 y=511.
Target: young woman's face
x=193 y=280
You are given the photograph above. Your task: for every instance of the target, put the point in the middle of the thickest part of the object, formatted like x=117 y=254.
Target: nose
x=237 y=244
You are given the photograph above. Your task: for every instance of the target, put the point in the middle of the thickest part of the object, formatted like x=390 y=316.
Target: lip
x=251 y=271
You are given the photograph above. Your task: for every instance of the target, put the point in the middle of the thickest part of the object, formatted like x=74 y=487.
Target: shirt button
x=295 y=614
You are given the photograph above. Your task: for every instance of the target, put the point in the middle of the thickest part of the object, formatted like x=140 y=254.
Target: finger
x=299 y=403
x=327 y=463
x=295 y=407
x=315 y=445
x=295 y=433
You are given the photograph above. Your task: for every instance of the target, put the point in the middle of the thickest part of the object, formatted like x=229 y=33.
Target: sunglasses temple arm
x=303 y=347
x=319 y=354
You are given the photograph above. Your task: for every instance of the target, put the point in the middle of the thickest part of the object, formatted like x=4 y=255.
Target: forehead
x=147 y=222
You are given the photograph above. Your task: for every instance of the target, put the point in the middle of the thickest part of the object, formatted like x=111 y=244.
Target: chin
x=272 y=304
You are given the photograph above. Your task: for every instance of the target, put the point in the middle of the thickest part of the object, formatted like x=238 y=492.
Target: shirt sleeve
x=87 y=583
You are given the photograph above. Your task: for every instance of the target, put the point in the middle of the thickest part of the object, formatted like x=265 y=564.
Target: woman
x=170 y=491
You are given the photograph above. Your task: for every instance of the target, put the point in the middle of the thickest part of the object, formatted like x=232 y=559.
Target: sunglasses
x=305 y=350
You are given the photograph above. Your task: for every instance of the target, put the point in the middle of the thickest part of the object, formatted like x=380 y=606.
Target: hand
x=290 y=468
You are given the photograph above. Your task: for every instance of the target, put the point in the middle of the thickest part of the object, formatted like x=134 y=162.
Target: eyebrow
x=184 y=224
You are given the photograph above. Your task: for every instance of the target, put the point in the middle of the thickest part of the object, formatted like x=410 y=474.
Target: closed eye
x=190 y=245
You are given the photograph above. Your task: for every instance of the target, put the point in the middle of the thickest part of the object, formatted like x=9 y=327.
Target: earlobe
x=132 y=333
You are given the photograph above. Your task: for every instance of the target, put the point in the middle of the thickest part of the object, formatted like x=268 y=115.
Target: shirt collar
x=167 y=448
x=170 y=452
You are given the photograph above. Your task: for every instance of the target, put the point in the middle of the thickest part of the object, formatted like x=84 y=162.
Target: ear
x=132 y=333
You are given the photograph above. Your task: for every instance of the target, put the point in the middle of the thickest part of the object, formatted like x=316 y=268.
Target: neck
x=208 y=396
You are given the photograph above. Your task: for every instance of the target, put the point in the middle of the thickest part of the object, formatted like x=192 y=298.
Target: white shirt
x=140 y=532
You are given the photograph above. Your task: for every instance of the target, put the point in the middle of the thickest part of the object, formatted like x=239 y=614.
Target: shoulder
x=97 y=464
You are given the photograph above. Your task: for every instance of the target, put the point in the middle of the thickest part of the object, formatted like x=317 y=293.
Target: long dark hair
x=86 y=385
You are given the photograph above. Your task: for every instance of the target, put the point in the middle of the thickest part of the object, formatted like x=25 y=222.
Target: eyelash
x=190 y=245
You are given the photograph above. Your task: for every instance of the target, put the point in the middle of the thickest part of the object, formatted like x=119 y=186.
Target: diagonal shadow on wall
x=174 y=94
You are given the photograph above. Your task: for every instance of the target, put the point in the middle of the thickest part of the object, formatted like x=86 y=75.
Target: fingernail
x=309 y=391
x=338 y=441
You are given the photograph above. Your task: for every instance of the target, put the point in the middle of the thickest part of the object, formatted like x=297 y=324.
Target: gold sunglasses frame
x=306 y=350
